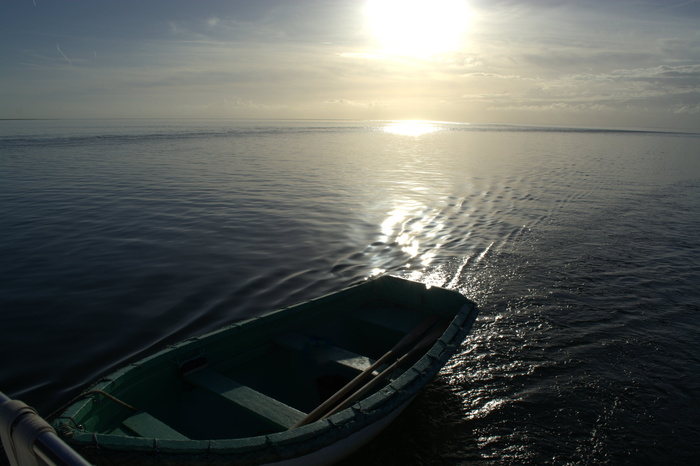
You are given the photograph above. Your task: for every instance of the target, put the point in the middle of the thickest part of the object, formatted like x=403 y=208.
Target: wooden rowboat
x=307 y=384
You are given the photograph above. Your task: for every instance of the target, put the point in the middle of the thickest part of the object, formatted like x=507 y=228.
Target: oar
x=426 y=341
x=407 y=340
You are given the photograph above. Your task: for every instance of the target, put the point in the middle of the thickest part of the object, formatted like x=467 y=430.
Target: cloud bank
x=626 y=63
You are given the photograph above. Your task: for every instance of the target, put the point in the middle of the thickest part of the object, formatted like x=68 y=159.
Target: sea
x=581 y=247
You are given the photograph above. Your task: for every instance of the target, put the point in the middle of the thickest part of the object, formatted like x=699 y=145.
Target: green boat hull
x=243 y=394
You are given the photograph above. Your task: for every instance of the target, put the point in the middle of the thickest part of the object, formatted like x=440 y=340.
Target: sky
x=591 y=63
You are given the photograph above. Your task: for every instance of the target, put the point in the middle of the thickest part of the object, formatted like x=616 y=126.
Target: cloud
x=368 y=56
x=235 y=103
x=63 y=55
x=482 y=74
x=377 y=103
x=645 y=92
x=314 y=59
x=557 y=107
x=653 y=74
x=686 y=109
x=635 y=83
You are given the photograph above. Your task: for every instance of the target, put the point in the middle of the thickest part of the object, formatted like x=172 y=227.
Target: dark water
x=581 y=247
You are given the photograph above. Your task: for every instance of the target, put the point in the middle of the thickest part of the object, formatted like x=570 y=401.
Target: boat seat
x=268 y=409
x=145 y=425
x=324 y=350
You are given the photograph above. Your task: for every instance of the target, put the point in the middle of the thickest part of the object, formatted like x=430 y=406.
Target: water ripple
x=580 y=247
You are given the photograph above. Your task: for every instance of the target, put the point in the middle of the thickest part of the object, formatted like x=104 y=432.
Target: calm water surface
x=581 y=247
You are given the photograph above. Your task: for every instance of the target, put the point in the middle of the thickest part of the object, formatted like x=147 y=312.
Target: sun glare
x=419 y=28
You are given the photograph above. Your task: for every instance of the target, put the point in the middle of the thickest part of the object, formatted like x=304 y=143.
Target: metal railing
x=29 y=440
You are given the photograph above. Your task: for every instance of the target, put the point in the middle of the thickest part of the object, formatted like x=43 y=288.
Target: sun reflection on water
x=411 y=128
x=407 y=228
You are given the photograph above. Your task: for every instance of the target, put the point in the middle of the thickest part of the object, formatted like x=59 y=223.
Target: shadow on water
x=429 y=432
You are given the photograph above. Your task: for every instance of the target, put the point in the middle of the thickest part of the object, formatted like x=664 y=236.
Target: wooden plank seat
x=145 y=425
x=324 y=350
x=268 y=409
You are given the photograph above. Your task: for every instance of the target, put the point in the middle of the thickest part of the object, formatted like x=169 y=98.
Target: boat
x=306 y=384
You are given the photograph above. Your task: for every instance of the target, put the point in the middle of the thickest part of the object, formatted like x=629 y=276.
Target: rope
x=84 y=395
x=111 y=397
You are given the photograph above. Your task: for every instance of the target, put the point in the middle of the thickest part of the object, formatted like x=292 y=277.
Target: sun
x=419 y=28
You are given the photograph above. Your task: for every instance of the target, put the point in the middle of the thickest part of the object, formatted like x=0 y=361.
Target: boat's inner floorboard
x=270 y=410
x=145 y=425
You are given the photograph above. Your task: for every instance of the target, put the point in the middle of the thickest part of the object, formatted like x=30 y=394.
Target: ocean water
x=580 y=246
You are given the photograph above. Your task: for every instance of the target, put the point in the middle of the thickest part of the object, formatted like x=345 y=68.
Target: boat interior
x=267 y=382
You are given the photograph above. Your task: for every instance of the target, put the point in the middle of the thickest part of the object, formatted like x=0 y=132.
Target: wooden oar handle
x=322 y=410
x=426 y=341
